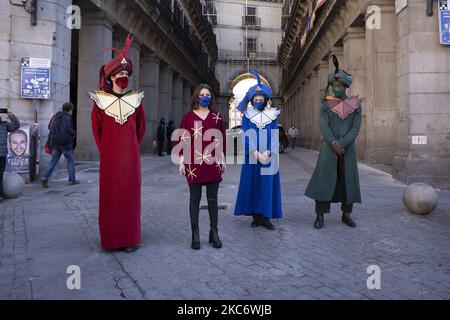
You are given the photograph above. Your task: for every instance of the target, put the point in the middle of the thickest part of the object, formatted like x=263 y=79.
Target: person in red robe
x=200 y=142
x=118 y=126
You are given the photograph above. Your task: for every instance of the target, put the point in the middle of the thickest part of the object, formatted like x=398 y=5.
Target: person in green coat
x=335 y=178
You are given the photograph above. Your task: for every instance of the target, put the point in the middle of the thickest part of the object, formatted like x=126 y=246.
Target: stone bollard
x=420 y=198
x=13 y=185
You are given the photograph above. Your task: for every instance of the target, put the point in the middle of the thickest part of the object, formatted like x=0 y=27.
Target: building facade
x=174 y=49
x=248 y=35
x=400 y=71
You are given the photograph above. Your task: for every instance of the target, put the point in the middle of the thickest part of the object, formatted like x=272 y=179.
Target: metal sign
x=444 y=22
x=419 y=139
x=35 y=78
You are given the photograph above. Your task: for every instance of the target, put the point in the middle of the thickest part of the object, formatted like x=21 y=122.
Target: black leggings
x=2 y=170
x=160 y=147
x=194 y=204
x=324 y=207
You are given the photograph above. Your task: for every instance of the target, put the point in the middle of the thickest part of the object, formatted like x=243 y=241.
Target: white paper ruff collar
x=261 y=117
x=118 y=108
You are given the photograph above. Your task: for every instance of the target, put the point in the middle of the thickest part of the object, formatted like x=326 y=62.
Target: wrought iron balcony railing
x=186 y=37
x=243 y=55
x=251 y=21
x=208 y=26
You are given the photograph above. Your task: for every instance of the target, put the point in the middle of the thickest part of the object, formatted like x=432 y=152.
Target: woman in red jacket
x=200 y=143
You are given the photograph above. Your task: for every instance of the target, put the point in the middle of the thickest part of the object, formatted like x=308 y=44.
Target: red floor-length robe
x=120 y=176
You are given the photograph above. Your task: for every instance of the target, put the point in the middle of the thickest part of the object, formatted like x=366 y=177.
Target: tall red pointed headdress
x=115 y=65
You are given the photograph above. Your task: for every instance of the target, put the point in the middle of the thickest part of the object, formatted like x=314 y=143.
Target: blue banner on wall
x=35 y=80
x=444 y=22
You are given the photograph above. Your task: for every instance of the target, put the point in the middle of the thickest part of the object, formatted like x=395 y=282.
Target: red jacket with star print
x=203 y=144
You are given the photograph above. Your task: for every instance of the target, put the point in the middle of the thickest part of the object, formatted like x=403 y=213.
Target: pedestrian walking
x=293 y=133
x=60 y=141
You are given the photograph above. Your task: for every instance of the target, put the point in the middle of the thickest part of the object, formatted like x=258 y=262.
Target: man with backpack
x=60 y=141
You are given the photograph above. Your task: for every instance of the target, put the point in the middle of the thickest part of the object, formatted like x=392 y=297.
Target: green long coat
x=322 y=186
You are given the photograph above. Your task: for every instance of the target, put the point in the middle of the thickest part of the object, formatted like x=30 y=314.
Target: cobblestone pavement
x=47 y=230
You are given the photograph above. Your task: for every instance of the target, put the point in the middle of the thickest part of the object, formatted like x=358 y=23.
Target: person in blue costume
x=259 y=192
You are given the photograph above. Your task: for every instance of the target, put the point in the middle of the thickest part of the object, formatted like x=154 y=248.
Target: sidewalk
x=47 y=230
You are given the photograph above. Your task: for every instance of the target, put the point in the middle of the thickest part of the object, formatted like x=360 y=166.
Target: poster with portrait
x=18 y=159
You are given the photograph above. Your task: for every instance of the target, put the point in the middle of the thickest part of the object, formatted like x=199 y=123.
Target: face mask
x=122 y=82
x=260 y=105
x=338 y=92
x=204 y=101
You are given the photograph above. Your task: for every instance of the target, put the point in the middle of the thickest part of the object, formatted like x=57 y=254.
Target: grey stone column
x=186 y=97
x=165 y=92
x=95 y=34
x=287 y=110
x=381 y=90
x=322 y=80
x=134 y=53
x=295 y=110
x=149 y=80
x=355 y=59
x=177 y=99
x=298 y=110
x=308 y=123
x=315 y=111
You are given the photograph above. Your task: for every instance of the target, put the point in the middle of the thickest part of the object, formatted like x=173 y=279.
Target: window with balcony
x=250 y=19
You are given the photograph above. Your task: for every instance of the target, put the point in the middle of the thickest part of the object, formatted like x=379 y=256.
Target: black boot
x=266 y=223
x=256 y=220
x=214 y=239
x=194 y=210
x=195 y=240
x=319 y=221
x=348 y=220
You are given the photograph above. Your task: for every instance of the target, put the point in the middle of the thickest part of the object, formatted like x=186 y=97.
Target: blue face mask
x=204 y=101
x=260 y=105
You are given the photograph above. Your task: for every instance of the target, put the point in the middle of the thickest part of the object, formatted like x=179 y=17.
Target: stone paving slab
x=47 y=230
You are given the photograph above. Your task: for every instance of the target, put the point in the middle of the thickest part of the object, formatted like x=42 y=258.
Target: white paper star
x=203 y=157
x=197 y=130
x=185 y=138
x=216 y=116
x=191 y=172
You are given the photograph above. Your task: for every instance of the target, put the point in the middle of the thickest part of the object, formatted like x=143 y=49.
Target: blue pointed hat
x=260 y=88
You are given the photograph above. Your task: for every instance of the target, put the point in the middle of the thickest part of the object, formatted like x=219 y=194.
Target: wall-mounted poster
x=35 y=78
x=444 y=21
x=18 y=159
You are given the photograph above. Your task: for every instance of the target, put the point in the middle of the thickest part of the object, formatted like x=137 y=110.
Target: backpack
x=58 y=132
